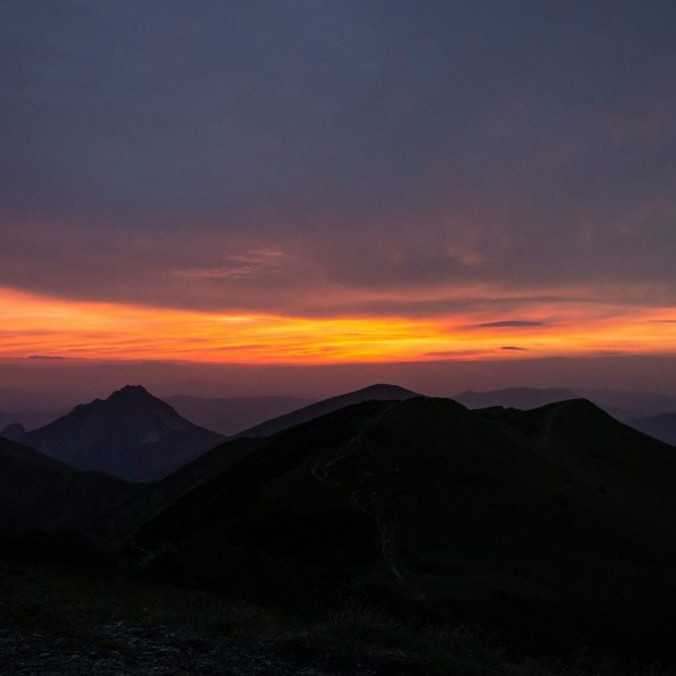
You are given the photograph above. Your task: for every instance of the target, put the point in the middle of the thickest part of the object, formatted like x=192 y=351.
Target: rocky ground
x=120 y=648
x=60 y=620
x=56 y=621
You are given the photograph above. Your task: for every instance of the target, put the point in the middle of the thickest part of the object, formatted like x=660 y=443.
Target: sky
x=290 y=183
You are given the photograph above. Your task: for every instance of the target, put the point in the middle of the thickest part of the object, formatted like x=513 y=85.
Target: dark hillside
x=559 y=510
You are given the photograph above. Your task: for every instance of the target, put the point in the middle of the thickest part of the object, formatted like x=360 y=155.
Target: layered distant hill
x=561 y=506
x=379 y=392
x=132 y=434
x=661 y=427
x=230 y=415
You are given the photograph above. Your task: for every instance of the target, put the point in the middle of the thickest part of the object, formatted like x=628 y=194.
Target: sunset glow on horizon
x=337 y=183
x=38 y=326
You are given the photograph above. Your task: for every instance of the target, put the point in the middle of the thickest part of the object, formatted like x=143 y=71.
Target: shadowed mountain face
x=662 y=427
x=560 y=506
x=233 y=414
x=41 y=495
x=131 y=435
x=373 y=392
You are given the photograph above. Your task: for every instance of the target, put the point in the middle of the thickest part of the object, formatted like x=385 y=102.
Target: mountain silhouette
x=131 y=434
x=560 y=506
x=379 y=392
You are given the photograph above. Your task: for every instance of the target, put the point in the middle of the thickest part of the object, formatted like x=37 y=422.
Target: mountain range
x=559 y=518
x=560 y=508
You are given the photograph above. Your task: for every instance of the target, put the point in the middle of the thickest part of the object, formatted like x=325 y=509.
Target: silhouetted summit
x=131 y=434
x=129 y=393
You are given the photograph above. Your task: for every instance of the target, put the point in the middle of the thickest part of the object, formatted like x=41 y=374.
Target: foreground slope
x=561 y=506
x=131 y=434
x=41 y=495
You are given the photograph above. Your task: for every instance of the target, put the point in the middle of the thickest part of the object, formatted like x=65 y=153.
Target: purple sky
x=490 y=163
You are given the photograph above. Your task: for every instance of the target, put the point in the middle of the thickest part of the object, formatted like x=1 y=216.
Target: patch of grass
x=358 y=633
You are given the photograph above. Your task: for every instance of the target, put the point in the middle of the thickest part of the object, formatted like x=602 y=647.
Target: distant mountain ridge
x=131 y=434
x=379 y=392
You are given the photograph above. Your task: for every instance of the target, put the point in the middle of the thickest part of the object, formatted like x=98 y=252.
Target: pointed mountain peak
x=131 y=434
x=385 y=390
x=131 y=393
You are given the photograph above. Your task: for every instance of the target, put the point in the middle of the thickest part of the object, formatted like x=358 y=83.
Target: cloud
x=458 y=354
x=235 y=267
x=514 y=348
x=46 y=357
x=509 y=323
x=330 y=177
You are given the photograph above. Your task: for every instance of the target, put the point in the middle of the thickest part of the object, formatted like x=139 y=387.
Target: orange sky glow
x=35 y=325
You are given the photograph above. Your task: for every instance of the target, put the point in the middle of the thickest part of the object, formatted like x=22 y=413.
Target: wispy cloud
x=508 y=324
x=248 y=264
x=46 y=357
x=514 y=348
